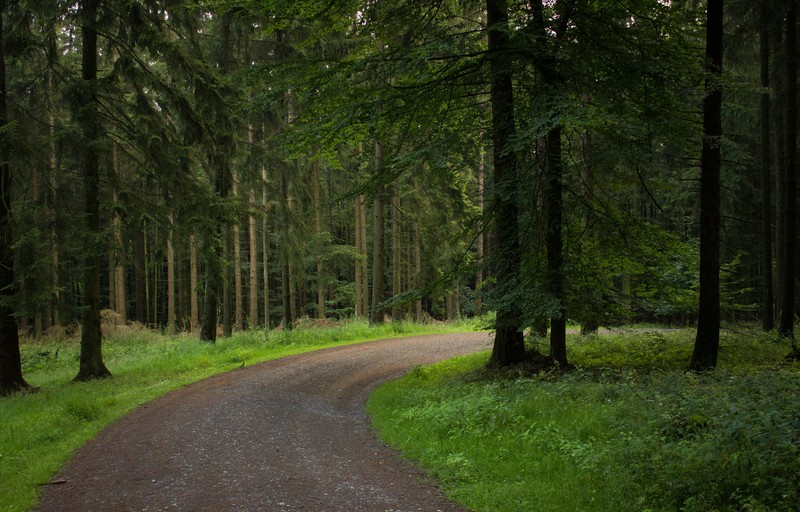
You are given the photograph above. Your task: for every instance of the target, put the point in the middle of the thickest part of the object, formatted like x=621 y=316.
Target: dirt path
x=289 y=434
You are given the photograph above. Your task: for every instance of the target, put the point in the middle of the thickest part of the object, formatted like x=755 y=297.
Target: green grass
x=40 y=430
x=629 y=429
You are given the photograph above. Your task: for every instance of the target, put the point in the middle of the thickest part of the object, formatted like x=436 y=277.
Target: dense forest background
x=238 y=163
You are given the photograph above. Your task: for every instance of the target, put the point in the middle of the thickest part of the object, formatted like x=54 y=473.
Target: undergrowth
x=40 y=430
x=628 y=429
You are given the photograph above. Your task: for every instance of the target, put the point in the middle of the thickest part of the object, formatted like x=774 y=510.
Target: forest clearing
x=208 y=183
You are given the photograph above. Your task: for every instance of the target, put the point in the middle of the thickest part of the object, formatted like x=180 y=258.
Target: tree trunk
x=767 y=309
x=120 y=300
x=252 y=316
x=288 y=308
x=172 y=321
x=509 y=347
x=706 y=346
x=786 y=326
x=417 y=276
x=237 y=277
x=479 y=241
x=555 y=246
x=91 y=356
x=208 y=329
x=51 y=206
x=140 y=273
x=194 y=314
x=318 y=233
x=397 y=263
x=227 y=302
x=376 y=311
x=11 y=379
x=778 y=119
x=358 y=291
x=265 y=245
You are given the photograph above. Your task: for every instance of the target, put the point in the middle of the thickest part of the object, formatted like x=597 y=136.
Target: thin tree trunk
x=318 y=232
x=376 y=311
x=172 y=321
x=706 y=345
x=479 y=241
x=358 y=290
x=118 y=274
x=237 y=274
x=288 y=307
x=252 y=319
x=364 y=261
x=778 y=119
x=509 y=347
x=417 y=275
x=11 y=379
x=91 y=355
x=265 y=245
x=555 y=246
x=397 y=264
x=54 y=254
x=194 y=314
x=227 y=302
x=140 y=273
x=767 y=309
x=786 y=326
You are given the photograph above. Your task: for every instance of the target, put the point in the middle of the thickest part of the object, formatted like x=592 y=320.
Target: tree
x=767 y=300
x=509 y=346
x=786 y=325
x=706 y=345
x=87 y=113
x=11 y=378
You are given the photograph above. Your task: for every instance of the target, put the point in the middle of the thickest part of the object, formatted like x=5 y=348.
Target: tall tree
x=767 y=299
x=509 y=346
x=786 y=325
x=378 y=230
x=88 y=115
x=706 y=346
x=11 y=378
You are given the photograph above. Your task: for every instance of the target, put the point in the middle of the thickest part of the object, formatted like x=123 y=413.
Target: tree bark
x=376 y=311
x=172 y=321
x=479 y=241
x=11 y=379
x=706 y=346
x=237 y=273
x=194 y=313
x=509 y=347
x=786 y=325
x=140 y=274
x=555 y=246
x=358 y=291
x=252 y=316
x=767 y=299
x=91 y=355
x=288 y=307
x=265 y=245
x=397 y=264
x=318 y=232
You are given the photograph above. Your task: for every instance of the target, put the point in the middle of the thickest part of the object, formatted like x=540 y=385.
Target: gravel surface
x=288 y=434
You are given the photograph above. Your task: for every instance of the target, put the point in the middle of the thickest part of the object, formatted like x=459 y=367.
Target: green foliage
x=627 y=430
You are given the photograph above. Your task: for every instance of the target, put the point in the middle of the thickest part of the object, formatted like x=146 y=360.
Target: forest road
x=283 y=435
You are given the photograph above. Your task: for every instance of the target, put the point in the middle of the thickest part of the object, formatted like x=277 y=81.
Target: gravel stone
x=289 y=434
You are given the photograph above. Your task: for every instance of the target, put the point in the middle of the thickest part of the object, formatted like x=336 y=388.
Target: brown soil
x=289 y=434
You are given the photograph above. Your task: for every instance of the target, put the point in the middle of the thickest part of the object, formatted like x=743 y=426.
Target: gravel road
x=289 y=434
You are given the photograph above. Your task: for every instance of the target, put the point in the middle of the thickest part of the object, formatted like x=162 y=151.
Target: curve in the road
x=288 y=434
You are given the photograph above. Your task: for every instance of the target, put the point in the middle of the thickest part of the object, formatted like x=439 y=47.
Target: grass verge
x=40 y=430
x=629 y=429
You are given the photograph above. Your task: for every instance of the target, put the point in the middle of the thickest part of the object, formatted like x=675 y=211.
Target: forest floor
x=287 y=434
